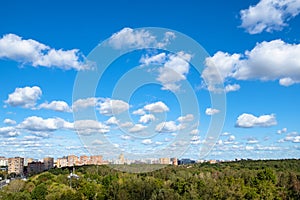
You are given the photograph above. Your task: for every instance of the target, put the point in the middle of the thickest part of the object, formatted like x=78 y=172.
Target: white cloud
x=284 y=130
x=110 y=107
x=139 y=112
x=225 y=133
x=231 y=138
x=267 y=61
x=194 y=131
x=269 y=15
x=157 y=59
x=146 y=118
x=252 y=141
x=248 y=121
x=125 y=137
x=97 y=142
x=25 y=97
x=112 y=121
x=85 y=103
x=86 y=127
x=59 y=106
x=141 y=38
x=211 y=111
x=232 y=88
x=126 y=124
x=186 y=118
x=9 y=121
x=156 y=107
x=31 y=52
x=166 y=127
x=9 y=131
x=174 y=68
x=38 y=124
x=137 y=128
x=147 y=141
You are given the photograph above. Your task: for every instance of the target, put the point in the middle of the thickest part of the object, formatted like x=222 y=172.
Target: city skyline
x=44 y=49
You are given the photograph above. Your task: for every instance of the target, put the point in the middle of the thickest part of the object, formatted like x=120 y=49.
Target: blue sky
x=252 y=50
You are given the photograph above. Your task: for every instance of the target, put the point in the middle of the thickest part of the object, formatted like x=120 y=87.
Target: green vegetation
x=278 y=179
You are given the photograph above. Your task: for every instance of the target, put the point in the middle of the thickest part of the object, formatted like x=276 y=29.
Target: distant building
x=174 y=161
x=186 y=161
x=15 y=165
x=3 y=161
x=35 y=167
x=62 y=162
x=72 y=160
x=48 y=163
x=96 y=160
x=164 y=161
x=84 y=160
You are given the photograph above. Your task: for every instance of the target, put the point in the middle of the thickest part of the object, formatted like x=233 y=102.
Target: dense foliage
x=278 y=179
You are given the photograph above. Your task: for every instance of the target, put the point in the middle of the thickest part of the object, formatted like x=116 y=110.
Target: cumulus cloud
x=110 y=107
x=84 y=103
x=28 y=51
x=9 y=131
x=194 y=131
x=147 y=141
x=269 y=15
x=284 y=130
x=87 y=127
x=137 y=128
x=175 y=68
x=146 y=118
x=9 y=121
x=211 y=111
x=166 y=127
x=59 y=106
x=267 y=61
x=248 y=121
x=139 y=112
x=25 y=97
x=38 y=124
x=157 y=107
x=186 y=118
x=112 y=121
x=129 y=38
x=232 y=88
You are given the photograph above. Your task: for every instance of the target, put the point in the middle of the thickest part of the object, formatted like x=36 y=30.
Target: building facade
x=15 y=165
x=48 y=163
x=35 y=167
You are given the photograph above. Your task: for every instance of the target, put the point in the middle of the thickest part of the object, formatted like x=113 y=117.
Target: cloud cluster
x=28 y=51
x=248 y=121
x=129 y=38
x=25 y=97
x=111 y=107
x=267 y=61
x=211 y=111
x=174 y=69
x=269 y=15
x=59 y=106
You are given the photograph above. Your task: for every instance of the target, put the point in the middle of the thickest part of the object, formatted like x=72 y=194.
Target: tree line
x=272 y=179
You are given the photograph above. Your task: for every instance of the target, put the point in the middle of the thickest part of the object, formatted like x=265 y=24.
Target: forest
x=246 y=179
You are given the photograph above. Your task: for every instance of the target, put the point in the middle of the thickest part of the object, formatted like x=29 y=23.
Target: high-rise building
x=35 y=167
x=62 y=162
x=48 y=163
x=96 y=160
x=3 y=161
x=15 y=165
x=164 y=161
x=174 y=161
x=84 y=160
x=72 y=160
